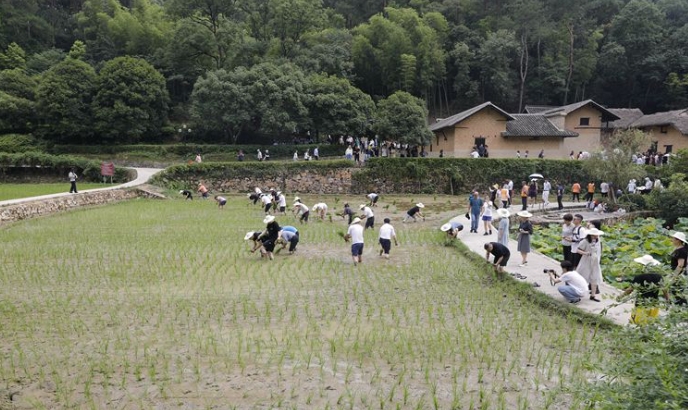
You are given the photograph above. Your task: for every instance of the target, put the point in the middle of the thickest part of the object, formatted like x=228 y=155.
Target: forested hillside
x=122 y=71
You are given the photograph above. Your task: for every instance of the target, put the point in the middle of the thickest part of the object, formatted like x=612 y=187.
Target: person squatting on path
x=368 y=215
x=501 y=255
x=355 y=235
x=589 y=267
x=411 y=213
x=187 y=194
x=288 y=235
x=503 y=227
x=386 y=235
x=221 y=201
x=475 y=205
x=452 y=229
x=72 y=181
x=574 y=287
x=525 y=230
x=301 y=208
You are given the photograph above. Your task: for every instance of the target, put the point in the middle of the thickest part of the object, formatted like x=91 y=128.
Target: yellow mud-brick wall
x=589 y=138
x=551 y=145
x=488 y=124
x=671 y=136
x=442 y=140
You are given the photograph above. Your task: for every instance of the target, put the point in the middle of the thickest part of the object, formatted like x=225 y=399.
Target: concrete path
x=142 y=176
x=537 y=262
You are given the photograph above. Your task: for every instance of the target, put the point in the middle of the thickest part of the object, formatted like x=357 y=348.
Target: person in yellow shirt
x=524 y=196
x=575 y=192
x=591 y=192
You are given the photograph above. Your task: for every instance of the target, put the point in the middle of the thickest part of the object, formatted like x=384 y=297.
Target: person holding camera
x=574 y=287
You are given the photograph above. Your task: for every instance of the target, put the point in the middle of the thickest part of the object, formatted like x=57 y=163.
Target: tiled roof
x=627 y=117
x=677 y=118
x=457 y=118
x=536 y=109
x=534 y=125
x=567 y=109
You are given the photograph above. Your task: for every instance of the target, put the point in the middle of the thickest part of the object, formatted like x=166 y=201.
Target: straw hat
x=524 y=214
x=680 y=236
x=420 y=205
x=268 y=219
x=181 y=191
x=248 y=235
x=446 y=227
x=503 y=213
x=495 y=186
x=361 y=206
x=356 y=220
x=594 y=231
x=647 y=260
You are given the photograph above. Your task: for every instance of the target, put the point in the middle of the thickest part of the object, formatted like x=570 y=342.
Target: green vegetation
x=56 y=166
x=621 y=243
x=98 y=71
x=163 y=306
x=15 y=191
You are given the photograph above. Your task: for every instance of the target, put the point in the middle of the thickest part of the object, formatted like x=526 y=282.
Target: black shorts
x=267 y=207
x=505 y=259
x=386 y=245
x=282 y=209
x=293 y=242
x=269 y=245
x=375 y=199
x=369 y=223
x=304 y=216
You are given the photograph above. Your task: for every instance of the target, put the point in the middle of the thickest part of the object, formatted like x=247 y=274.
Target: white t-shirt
x=282 y=201
x=356 y=233
x=547 y=186
x=266 y=199
x=576 y=238
x=387 y=231
x=368 y=212
x=371 y=196
x=302 y=207
x=320 y=206
x=576 y=281
x=487 y=208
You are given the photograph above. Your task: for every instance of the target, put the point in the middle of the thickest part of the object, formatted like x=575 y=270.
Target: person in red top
x=575 y=191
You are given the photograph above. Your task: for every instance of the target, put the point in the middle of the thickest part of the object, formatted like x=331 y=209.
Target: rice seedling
x=159 y=304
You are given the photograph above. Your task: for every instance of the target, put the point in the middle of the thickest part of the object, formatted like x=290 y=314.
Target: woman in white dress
x=589 y=267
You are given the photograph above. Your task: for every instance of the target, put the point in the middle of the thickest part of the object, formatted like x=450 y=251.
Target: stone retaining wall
x=25 y=210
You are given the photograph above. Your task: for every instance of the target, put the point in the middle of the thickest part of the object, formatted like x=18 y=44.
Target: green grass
x=15 y=191
x=159 y=304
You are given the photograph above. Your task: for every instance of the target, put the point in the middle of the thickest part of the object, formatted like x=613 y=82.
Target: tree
x=402 y=117
x=327 y=51
x=336 y=107
x=613 y=164
x=131 y=102
x=13 y=57
x=221 y=103
x=64 y=98
x=291 y=19
x=495 y=57
x=17 y=101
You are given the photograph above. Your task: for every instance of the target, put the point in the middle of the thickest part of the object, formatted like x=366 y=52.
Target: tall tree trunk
x=523 y=69
x=570 y=73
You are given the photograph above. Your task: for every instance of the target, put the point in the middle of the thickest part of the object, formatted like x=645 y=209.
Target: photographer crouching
x=575 y=286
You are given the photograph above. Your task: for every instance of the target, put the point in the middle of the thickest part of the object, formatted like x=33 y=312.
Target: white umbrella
x=536 y=176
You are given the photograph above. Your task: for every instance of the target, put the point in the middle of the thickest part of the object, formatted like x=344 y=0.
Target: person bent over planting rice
x=288 y=235
x=452 y=229
x=270 y=235
x=501 y=255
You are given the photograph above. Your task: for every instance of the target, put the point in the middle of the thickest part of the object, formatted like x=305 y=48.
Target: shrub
x=19 y=143
x=672 y=202
x=59 y=165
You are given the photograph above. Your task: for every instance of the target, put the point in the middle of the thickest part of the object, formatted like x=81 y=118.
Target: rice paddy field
x=158 y=304
x=15 y=191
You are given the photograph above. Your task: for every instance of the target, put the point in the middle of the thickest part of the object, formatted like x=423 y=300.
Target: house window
x=663 y=129
x=584 y=121
x=479 y=141
x=668 y=148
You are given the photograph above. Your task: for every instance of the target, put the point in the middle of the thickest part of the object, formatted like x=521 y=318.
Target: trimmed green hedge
x=459 y=175
x=59 y=165
x=188 y=151
x=20 y=143
x=171 y=176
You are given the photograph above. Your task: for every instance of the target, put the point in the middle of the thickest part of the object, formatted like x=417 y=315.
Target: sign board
x=107 y=169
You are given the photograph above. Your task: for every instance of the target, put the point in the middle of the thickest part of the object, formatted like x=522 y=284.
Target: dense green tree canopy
x=402 y=117
x=452 y=54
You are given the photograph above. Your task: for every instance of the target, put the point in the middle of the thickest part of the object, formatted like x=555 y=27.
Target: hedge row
x=283 y=151
x=59 y=165
x=460 y=175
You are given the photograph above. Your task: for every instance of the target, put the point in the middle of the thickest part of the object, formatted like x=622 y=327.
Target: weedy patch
x=160 y=304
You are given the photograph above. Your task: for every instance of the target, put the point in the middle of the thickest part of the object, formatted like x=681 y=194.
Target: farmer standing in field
x=387 y=234
x=355 y=235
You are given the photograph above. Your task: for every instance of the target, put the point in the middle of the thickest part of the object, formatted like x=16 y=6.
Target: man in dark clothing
x=648 y=285
x=501 y=255
x=187 y=194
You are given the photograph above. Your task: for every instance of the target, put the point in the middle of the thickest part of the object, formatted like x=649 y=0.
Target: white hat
x=446 y=227
x=361 y=206
x=279 y=192
x=356 y=220
x=248 y=235
x=420 y=205
x=503 y=213
x=248 y=195
x=680 y=236
x=647 y=260
x=594 y=231
x=297 y=199
x=524 y=214
x=268 y=219
x=181 y=191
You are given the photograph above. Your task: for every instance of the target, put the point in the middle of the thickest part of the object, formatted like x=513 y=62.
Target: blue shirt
x=476 y=204
x=289 y=228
